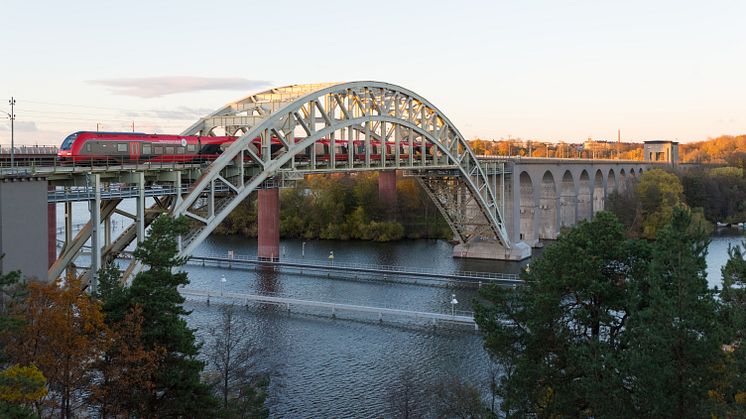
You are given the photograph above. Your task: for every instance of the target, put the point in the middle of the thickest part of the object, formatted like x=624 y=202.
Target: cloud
x=21 y=126
x=150 y=87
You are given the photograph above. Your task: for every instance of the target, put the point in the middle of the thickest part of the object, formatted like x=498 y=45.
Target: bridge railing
x=443 y=307
x=391 y=269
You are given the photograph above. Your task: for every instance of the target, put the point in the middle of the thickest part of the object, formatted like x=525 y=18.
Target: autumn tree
x=20 y=388
x=232 y=359
x=127 y=369
x=63 y=335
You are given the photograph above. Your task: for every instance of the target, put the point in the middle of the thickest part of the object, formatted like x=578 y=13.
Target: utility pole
x=618 y=143
x=12 y=116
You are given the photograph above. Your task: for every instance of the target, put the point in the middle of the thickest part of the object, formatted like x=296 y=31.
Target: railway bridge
x=497 y=207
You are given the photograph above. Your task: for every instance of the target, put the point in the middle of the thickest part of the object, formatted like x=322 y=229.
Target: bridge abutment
x=51 y=231
x=269 y=224
x=492 y=249
x=24 y=229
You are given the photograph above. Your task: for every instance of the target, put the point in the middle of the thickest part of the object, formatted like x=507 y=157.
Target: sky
x=540 y=70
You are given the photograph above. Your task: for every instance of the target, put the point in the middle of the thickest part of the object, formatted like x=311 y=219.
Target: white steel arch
x=363 y=126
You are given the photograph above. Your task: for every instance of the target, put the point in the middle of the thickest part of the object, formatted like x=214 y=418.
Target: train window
x=157 y=150
x=192 y=147
x=87 y=146
x=145 y=149
x=180 y=150
x=169 y=150
x=122 y=147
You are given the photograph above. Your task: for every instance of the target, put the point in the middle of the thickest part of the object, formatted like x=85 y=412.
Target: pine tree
x=556 y=336
x=177 y=390
x=674 y=337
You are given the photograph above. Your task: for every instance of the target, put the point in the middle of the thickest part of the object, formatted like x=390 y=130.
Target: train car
x=118 y=147
x=96 y=147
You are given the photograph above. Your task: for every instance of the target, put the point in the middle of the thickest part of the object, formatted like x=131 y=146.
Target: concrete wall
x=23 y=226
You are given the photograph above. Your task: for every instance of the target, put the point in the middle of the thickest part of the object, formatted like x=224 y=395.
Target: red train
x=99 y=147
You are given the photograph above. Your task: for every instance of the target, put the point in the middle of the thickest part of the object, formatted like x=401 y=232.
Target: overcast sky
x=556 y=70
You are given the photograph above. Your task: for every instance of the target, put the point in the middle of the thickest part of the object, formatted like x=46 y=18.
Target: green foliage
x=177 y=390
x=720 y=192
x=674 y=326
x=345 y=207
x=658 y=193
x=608 y=326
x=730 y=393
x=553 y=336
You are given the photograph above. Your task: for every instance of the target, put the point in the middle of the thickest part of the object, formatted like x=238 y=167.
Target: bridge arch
x=611 y=183
x=568 y=201
x=585 y=203
x=528 y=209
x=548 y=211
x=370 y=125
x=599 y=191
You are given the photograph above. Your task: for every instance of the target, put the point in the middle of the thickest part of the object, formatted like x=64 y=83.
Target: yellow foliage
x=19 y=384
x=740 y=397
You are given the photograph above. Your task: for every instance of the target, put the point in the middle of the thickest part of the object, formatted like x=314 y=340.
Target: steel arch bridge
x=343 y=127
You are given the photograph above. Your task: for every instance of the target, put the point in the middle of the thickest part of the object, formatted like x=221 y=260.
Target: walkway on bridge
x=457 y=317
x=385 y=270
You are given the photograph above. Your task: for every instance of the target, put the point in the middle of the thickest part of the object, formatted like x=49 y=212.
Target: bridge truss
x=347 y=127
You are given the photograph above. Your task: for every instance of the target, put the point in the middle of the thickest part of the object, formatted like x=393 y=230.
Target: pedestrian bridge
x=497 y=207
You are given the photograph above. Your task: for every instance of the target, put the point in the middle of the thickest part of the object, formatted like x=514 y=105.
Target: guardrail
x=407 y=271
x=445 y=315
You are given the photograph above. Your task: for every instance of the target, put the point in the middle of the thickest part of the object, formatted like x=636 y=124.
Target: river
x=347 y=366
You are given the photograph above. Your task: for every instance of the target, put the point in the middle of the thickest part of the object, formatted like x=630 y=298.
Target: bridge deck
x=461 y=317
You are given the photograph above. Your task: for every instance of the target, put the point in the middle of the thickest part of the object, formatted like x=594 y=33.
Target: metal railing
x=393 y=270
x=442 y=313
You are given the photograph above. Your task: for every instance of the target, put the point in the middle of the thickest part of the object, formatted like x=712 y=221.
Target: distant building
x=661 y=151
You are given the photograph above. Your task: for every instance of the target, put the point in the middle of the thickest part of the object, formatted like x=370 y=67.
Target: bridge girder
x=367 y=116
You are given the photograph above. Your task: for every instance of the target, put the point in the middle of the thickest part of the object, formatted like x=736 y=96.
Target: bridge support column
x=140 y=220
x=269 y=224
x=387 y=191
x=51 y=232
x=95 y=208
x=68 y=224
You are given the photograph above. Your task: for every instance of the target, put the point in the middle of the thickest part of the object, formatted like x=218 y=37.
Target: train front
x=66 y=149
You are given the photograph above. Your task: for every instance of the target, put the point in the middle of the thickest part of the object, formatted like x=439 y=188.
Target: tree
x=20 y=387
x=729 y=393
x=674 y=326
x=63 y=334
x=177 y=389
x=405 y=399
x=556 y=336
x=659 y=192
x=127 y=369
x=232 y=357
x=454 y=398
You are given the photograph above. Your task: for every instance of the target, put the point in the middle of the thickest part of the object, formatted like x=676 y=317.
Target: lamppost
x=222 y=282
x=303 y=250
x=12 y=116
x=454 y=301
x=331 y=257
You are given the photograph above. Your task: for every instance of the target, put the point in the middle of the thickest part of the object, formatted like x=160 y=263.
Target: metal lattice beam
x=374 y=125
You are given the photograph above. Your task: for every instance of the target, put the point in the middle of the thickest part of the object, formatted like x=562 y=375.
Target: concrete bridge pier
x=269 y=224
x=51 y=231
x=387 y=191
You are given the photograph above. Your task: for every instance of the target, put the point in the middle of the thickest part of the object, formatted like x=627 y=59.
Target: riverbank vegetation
x=617 y=327
x=121 y=351
x=344 y=207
